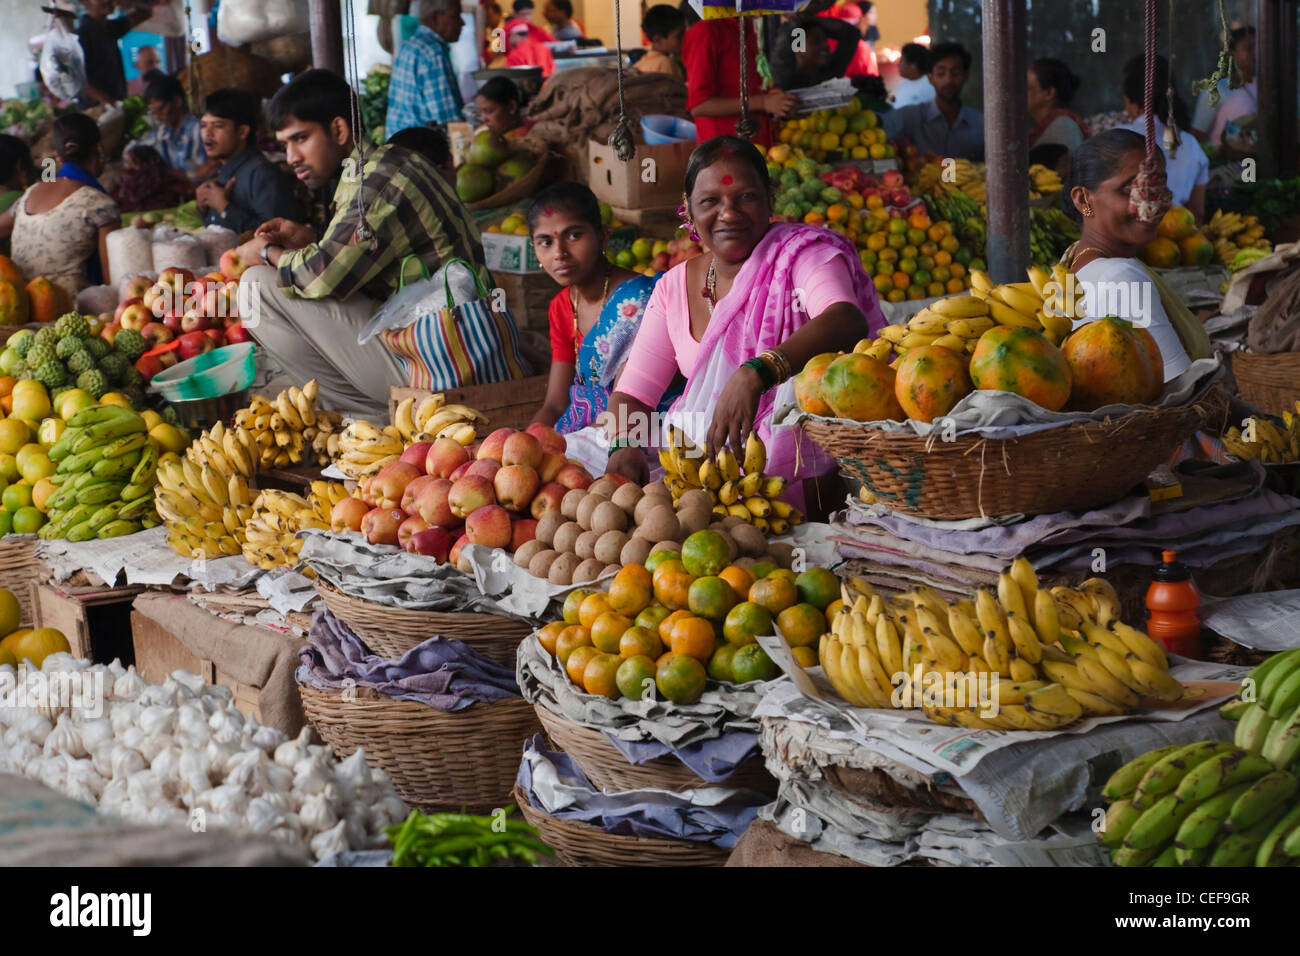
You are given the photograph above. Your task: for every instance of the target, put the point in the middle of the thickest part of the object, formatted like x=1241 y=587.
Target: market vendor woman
x=741 y=319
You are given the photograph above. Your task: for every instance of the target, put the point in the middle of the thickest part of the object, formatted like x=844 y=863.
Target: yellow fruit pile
x=850 y=129
x=270 y=536
x=739 y=490
x=428 y=421
x=1269 y=443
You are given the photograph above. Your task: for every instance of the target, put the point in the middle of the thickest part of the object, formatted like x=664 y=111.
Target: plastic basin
x=660 y=130
x=210 y=375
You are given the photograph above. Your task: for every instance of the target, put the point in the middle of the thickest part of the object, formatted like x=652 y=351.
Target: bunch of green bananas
x=105 y=476
x=1208 y=803
x=1268 y=712
x=1271 y=444
x=740 y=490
x=1051 y=232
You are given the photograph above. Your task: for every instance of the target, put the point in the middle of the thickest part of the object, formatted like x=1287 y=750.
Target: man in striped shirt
x=424 y=87
x=312 y=297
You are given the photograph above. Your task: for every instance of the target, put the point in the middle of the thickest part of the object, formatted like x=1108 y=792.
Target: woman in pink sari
x=739 y=320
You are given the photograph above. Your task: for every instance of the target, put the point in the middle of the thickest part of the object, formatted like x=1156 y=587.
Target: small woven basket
x=1269 y=382
x=1071 y=468
x=581 y=844
x=609 y=770
x=18 y=569
x=436 y=759
x=392 y=631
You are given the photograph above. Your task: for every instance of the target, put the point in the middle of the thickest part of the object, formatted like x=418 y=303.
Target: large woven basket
x=1071 y=468
x=18 y=569
x=436 y=759
x=581 y=844
x=392 y=631
x=1269 y=382
x=609 y=770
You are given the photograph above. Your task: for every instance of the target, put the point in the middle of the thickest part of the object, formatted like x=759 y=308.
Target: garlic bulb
x=126 y=761
x=95 y=732
x=132 y=737
x=226 y=725
x=193 y=683
x=114 y=795
x=311 y=775
x=268 y=738
x=65 y=738
x=317 y=814
x=261 y=817
x=387 y=811
x=278 y=779
x=191 y=725
x=124 y=715
x=290 y=752
x=128 y=686
x=227 y=798
x=352 y=775
x=157 y=720
x=34 y=727
x=156 y=694
x=333 y=840
x=248 y=772
x=21 y=754
x=144 y=789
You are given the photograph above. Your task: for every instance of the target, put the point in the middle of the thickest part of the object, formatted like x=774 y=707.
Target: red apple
x=136 y=316
x=232 y=264
x=469 y=494
x=177 y=278
x=551 y=440
x=195 y=294
x=134 y=287
x=460 y=472
x=408 y=528
x=148 y=366
x=415 y=454
x=515 y=486
x=365 y=493
x=473 y=448
x=236 y=333
x=443 y=457
x=124 y=305
x=194 y=343
x=432 y=504
x=488 y=526
x=548 y=498
x=522 y=531
x=155 y=333
x=492 y=445
x=109 y=332
x=521 y=448
x=171 y=320
x=454 y=556
x=216 y=302
x=214 y=278
x=552 y=462
x=217 y=335
x=573 y=476
x=347 y=515
x=158 y=298
x=380 y=525
x=435 y=542
x=387 y=486
x=412 y=493
x=487 y=467
x=193 y=321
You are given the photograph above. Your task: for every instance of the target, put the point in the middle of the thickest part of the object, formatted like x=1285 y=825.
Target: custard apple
x=72 y=324
x=46 y=336
x=97 y=348
x=93 y=382
x=21 y=341
x=114 y=366
x=67 y=346
x=39 y=354
x=80 y=361
x=51 y=374
x=130 y=344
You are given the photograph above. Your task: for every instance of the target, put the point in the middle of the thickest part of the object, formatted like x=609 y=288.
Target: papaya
x=10 y=272
x=929 y=381
x=1111 y=364
x=808 y=385
x=1161 y=253
x=1021 y=360
x=1177 y=224
x=46 y=301
x=860 y=388
x=13 y=303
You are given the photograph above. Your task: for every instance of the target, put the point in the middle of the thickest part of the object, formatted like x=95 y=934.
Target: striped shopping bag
x=472 y=344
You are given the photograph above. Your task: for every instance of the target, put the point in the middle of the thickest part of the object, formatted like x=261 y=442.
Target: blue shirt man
x=943 y=126
x=423 y=88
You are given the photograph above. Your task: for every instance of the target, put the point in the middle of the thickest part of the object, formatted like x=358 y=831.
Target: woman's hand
x=630 y=463
x=779 y=103
x=733 y=417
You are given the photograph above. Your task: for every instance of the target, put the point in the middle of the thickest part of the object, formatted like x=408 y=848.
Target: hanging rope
x=1224 y=68
x=747 y=127
x=620 y=140
x=1149 y=199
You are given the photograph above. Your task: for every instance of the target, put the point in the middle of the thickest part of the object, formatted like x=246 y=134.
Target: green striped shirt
x=410 y=210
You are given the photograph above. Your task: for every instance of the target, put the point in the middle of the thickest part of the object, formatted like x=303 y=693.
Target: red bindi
x=727 y=180
x=548 y=211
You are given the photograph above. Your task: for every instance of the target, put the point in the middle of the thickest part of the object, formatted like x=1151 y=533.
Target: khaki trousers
x=317 y=338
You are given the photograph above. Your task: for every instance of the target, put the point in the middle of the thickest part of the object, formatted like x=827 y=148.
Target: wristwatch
x=265 y=257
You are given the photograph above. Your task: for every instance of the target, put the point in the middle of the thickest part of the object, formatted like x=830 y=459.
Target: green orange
x=761 y=569
x=572 y=603
x=745 y=621
x=720 y=662
x=694 y=637
x=705 y=553
x=600 y=675
x=576 y=665
x=802 y=624
x=571 y=638
x=752 y=663
x=652 y=616
x=681 y=679
x=774 y=592
x=636 y=677
x=672 y=585
x=607 y=630
x=16 y=496
x=593 y=606
x=631 y=590
x=550 y=634
x=817 y=587
x=712 y=598
x=656 y=558
x=640 y=642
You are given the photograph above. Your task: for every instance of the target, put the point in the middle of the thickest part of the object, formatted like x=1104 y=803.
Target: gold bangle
x=779 y=363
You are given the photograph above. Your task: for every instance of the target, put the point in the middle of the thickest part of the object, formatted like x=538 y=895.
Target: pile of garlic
x=179 y=753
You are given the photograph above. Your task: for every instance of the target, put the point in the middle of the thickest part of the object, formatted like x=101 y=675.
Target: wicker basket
x=581 y=844
x=436 y=759
x=609 y=770
x=1269 y=382
x=392 y=631
x=1072 y=468
x=18 y=569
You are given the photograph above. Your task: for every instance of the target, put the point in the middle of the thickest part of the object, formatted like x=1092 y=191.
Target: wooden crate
x=506 y=404
x=529 y=296
x=96 y=621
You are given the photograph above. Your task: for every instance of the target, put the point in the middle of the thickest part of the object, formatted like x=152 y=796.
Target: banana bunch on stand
x=289 y=429
x=105 y=476
x=965 y=214
x=1233 y=234
x=1051 y=232
x=739 y=489
x=1059 y=655
x=206 y=497
x=1030 y=304
x=1044 y=182
x=433 y=418
x=271 y=533
x=1271 y=445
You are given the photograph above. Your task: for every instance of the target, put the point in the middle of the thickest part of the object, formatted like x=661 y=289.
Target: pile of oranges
x=682 y=618
x=852 y=130
x=911 y=257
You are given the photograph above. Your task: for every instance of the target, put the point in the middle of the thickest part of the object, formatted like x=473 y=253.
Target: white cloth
x=1188 y=169
x=1061 y=131
x=1123 y=287
x=910 y=92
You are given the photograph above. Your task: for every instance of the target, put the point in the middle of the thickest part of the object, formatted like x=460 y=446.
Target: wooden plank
x=158 y=653
x=96 y=621
x=52 y=608
x=506 y=404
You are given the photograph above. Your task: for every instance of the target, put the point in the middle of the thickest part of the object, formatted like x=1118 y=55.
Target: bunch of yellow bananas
x=288 y=429
x=271 y=533
x=1044 y=182
x=956 y=323
x=205 y=498
x=1034 y=304
x=1231 y=232
x=364 y=448
x=738 y=489
x=1270 y=444
x=1064 y=653
x=433 y=418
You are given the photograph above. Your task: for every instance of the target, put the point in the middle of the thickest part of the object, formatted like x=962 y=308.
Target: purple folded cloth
x=444 y=673
x=713 y=760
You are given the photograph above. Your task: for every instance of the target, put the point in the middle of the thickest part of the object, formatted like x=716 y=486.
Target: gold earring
x=1087 y=207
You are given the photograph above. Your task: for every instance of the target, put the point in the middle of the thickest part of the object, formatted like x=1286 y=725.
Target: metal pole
x=327 y=35
x=1006 y=136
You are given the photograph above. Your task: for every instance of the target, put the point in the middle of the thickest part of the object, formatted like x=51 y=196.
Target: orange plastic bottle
x=1172 y=600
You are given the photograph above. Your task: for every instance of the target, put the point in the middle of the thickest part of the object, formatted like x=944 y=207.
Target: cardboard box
x=653 y=177
x=509 y=253
x=658 y=222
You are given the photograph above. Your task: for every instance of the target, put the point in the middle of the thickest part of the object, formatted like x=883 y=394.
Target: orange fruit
x=600 y=676
x=705 y=553
x=818 y=587
x=576 y=665
x=640 y=642
x=761 y=569
x=607 y=629
x=549 y=634
x=657 y=558
x=739 y=579
x=36 y=645
x=667 y=624
x=720 y=662
x=774 y=592
x=10 y=612
x=571 y=638
x=652 y=617
x=631 y=590
x=593 y=606
x=806 y=656
x=752 y=663
x=711 y=597
x=694 y=637
x=572 y=602
x=7 y=383
x=680 y=679
x=745 y=621
x=833 y=608
x=673 y=585
x=802 y=624
x=636 y=677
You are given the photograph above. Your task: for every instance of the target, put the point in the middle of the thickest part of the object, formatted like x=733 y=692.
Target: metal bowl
x=201 y=413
